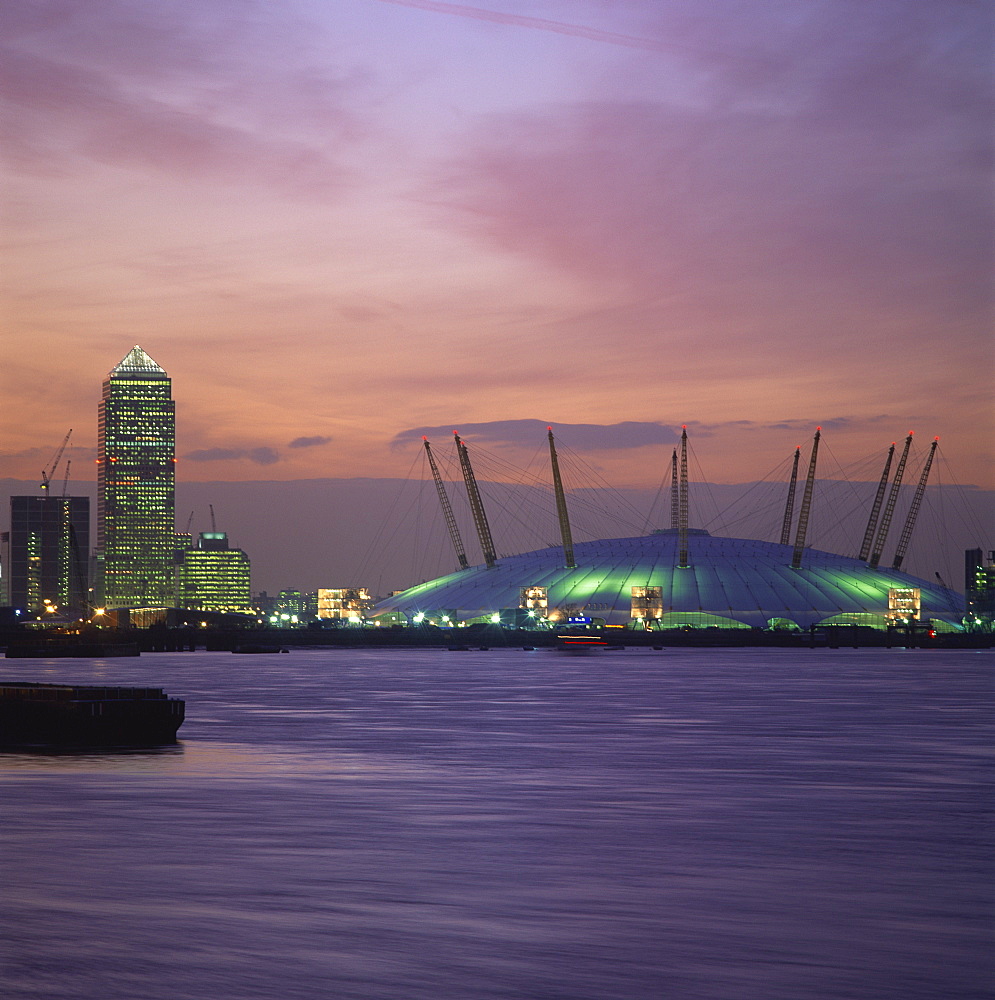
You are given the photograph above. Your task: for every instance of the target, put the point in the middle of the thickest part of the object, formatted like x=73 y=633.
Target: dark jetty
x=68 y=715
x=47 y=646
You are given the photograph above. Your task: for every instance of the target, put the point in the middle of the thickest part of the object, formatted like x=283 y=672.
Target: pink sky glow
x=339 y=225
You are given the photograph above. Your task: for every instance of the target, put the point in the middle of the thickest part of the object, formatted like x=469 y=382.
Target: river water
x=400 y=825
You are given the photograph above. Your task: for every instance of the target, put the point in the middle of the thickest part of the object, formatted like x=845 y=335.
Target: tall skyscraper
x=49 y=551
x=136 y=457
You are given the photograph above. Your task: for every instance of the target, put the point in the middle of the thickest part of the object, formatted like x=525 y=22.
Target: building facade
x=350 y=604
x=136 y=457
x=211 y=576
x=979 y=585
x=49 y=552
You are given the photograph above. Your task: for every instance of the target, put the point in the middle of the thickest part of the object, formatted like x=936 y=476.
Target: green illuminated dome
x=728 y=581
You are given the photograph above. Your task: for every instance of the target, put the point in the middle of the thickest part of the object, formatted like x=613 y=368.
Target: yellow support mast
x=561 y=506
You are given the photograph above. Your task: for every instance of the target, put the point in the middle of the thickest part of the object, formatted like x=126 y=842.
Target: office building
x=136 y=457
x=979 y=585
x=48 y=554
x=211 y=576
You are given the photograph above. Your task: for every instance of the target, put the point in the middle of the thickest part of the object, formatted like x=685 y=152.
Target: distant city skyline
x=337 y=226
x=388 y=534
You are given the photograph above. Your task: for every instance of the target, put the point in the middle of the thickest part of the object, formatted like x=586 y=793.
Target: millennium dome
x=684 y=577
x=729 y=582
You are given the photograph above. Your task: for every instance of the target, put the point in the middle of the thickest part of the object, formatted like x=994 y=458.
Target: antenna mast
x=682 y=513
x=872 y=522
x=889 y=509
x=561 y=506
x=910 y=520
x=806 y=507
x=476 y=504
x=447 y=509
x=789 y=507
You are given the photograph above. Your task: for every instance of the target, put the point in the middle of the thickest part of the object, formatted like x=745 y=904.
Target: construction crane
x=806 y=507
x=214 y=526
x=46 y=474
x=476 y=504
x=910 y=520
x=78 y=578
x=447 y=510
x=561 y=506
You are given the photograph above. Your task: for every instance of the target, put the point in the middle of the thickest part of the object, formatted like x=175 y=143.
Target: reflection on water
x=117 y=758
x=510 y=824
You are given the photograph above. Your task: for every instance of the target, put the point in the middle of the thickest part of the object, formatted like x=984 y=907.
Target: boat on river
x=71 y=715
x=581 y=643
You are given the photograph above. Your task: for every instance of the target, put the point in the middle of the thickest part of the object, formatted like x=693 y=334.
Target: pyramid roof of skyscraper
x=137 y=360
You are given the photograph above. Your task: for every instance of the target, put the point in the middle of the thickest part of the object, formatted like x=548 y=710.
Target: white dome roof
x=745 y=580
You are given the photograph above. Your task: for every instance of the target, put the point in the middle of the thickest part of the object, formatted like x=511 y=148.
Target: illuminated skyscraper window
x=136 y=485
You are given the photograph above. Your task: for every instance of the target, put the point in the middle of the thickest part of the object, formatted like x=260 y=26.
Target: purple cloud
x=839 y=164
x=261 y=456
x=309 y=442
x=635 y=434
x=529 y=433
x=153 y=90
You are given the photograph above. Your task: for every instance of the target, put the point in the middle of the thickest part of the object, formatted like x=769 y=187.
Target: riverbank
x=154 y=640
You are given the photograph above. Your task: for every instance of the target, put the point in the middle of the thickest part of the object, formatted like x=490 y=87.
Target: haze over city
x=337 y=226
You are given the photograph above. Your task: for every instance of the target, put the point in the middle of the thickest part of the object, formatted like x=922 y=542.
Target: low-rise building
x=349 y=603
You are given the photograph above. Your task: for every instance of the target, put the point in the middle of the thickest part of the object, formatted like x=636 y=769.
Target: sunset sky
x=342 y=225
